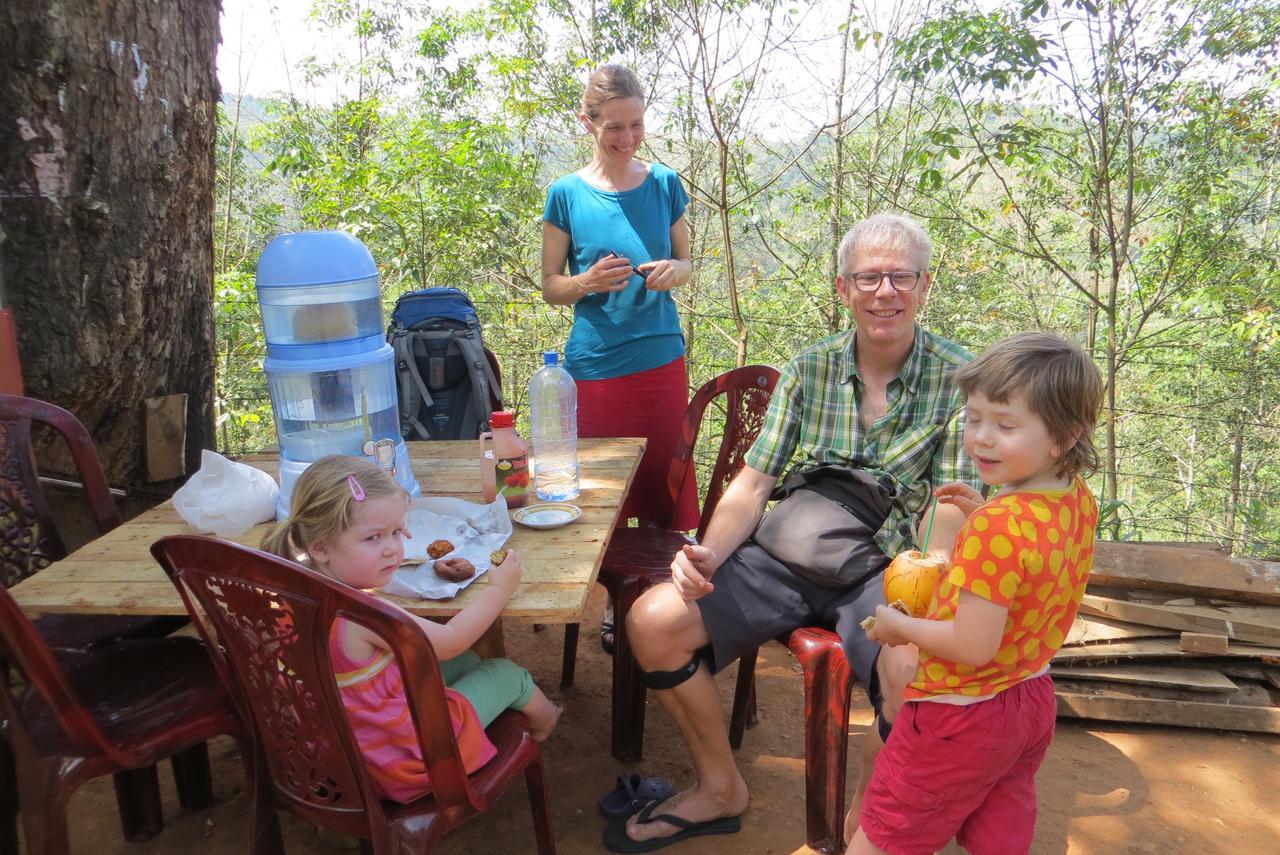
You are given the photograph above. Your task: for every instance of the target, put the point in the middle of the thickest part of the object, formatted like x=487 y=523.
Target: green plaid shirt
x=813 y=419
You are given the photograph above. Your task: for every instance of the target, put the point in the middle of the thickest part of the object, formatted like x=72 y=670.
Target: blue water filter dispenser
x=330 y=372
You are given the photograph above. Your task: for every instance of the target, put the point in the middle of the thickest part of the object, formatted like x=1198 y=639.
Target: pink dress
x=373 y=693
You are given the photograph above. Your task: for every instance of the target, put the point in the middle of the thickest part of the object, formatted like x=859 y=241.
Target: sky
x=263 y=44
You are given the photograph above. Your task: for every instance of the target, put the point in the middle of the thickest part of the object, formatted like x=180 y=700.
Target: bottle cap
x=502 y=419
x=550 y=357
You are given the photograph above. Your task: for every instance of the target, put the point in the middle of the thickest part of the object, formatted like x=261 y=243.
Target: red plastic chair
x=29 y=538
x=269 y=621
x=638 y=558
x=118 y=711
x=828 y=687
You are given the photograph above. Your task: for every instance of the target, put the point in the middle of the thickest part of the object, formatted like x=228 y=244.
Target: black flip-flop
x=632 y=794
x=616 y=839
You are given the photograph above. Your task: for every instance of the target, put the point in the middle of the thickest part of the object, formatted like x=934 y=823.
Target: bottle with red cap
x=504 y=467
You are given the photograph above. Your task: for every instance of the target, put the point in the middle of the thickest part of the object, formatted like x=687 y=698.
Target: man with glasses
x=868 y=423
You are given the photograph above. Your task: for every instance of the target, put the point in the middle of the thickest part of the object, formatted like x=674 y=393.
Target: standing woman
x=619 y=224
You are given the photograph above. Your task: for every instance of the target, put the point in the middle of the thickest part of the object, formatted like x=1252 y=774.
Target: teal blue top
x=635 y=329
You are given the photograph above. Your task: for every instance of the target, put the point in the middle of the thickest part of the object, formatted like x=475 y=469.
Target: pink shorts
x=966 y=772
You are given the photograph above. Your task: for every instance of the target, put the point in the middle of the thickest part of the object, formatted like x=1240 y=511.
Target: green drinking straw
x=928 y=529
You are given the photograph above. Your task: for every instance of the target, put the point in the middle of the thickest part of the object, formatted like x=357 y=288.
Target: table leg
x=491 y=644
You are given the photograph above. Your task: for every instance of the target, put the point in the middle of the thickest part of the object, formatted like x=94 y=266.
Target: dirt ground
x=1113 y=789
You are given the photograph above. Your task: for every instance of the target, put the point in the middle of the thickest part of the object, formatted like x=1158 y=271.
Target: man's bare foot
x=542 y=714
x=695 y=804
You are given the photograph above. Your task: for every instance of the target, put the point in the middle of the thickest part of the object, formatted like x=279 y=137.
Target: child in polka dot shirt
x=963 y=753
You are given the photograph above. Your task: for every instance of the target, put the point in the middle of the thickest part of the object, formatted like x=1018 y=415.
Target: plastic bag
x=225 y=497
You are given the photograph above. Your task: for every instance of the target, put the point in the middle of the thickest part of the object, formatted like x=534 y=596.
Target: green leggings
x=492 y=685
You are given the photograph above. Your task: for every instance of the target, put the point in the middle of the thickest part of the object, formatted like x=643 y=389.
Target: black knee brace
x=671 y=679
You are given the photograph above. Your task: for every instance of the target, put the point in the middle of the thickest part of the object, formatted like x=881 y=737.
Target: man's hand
x=691 y=569
x=960 y=495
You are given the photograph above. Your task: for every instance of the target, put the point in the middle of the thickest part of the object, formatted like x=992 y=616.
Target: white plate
x=546 y=514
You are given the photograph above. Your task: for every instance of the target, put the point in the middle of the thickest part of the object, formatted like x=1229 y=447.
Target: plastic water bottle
x=553 y=401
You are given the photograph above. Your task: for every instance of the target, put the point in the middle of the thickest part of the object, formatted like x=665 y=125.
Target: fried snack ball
x=454 y=569
x=439 y=548
x=497 y=556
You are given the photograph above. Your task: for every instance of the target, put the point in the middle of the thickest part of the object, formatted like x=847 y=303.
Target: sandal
x=606 y=635
x=616 y=838
x=632 y=794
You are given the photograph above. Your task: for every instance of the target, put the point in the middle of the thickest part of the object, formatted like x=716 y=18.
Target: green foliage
x=1104 y=170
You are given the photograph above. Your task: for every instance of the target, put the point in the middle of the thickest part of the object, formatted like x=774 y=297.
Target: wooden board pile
x=1175 y=634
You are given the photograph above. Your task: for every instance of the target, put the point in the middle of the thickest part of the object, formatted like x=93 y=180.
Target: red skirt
x=650 y=404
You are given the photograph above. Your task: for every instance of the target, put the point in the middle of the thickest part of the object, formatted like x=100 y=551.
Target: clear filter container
x=333 y=405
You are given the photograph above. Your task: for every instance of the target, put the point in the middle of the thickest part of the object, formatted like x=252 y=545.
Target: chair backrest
x=267 y=621
x=29 y=538
x=746 y=393
x=24 y=649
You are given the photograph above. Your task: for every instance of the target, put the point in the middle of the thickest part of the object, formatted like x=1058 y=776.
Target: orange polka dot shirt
x=1030 y=552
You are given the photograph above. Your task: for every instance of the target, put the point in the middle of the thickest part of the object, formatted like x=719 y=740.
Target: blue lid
x=327 y=362
x=550 y=357
x=314 y=258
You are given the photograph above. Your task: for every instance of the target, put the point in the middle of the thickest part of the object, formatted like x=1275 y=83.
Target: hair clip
x=357 y=492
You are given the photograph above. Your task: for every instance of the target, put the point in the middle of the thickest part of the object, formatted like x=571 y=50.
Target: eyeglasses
x=902 y=280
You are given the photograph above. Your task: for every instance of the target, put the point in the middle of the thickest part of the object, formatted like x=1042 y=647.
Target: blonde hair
x=607 y=83
x=886 y=233
x=324 y=502
x=1059 y=383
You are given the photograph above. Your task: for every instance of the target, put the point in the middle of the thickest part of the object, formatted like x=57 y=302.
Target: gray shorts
x=757 y=598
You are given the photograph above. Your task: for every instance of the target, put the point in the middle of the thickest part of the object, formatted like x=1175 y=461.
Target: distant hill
x=252 y=108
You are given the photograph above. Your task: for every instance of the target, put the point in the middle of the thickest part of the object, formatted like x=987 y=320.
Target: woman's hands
x=610 y=273
x=961 y=496
x=661 y=275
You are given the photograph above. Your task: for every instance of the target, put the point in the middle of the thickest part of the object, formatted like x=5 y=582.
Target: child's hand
x=961 y=495
x=508 y=573
x=888 y=627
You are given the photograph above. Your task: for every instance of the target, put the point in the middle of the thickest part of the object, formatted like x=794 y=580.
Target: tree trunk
x=107 y=129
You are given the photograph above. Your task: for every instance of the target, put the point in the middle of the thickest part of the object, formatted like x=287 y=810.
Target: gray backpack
x=447 y=380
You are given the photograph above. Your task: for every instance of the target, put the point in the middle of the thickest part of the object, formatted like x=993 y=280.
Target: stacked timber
x=1176 y=635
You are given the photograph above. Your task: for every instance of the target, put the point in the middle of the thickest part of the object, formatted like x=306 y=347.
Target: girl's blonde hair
x=607 y=83
x=324 y=502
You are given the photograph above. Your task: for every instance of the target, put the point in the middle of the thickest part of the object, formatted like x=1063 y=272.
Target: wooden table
x=115 y=574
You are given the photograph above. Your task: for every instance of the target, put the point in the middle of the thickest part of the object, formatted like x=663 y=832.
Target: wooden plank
x=1157 y=648
x=1185 y=571
x=1093 y=630
x=1258 y=624
x=1203 y=642
x=165 y=433
x=1236 y=669
x=1190 y=679
x=1078 y=701
x=1246 y=695
x=1196 y=545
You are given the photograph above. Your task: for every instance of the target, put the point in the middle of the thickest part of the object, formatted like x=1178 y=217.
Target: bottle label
x=512 y=475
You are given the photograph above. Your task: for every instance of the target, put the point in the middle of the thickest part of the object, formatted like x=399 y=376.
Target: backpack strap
x=413 y=391
x=483 y=380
